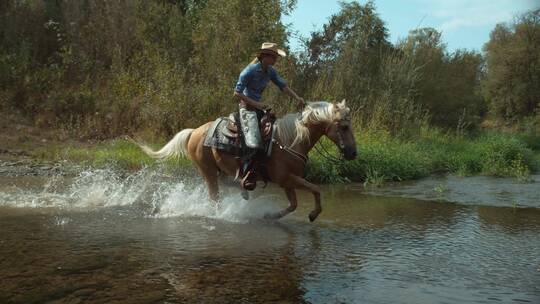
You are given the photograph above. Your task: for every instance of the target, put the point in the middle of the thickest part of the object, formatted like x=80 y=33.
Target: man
x=249 y=88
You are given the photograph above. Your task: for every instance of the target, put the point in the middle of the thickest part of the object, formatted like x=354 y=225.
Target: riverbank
x=29 y=150
x=381 y=158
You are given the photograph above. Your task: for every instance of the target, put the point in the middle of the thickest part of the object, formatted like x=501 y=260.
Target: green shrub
x=382 y=158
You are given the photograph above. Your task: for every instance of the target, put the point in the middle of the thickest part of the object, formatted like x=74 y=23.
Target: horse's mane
x=292 y=128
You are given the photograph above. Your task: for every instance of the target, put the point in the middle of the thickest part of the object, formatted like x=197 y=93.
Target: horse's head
x=340 y=131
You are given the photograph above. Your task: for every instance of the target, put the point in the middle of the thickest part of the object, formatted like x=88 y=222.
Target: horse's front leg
x=211 y=182
x=291 y=195
x=300 y=183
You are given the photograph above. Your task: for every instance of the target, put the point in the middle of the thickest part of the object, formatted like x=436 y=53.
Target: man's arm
x=248 y=101
x=243 y=80
x=282 y=85
x=291 y=93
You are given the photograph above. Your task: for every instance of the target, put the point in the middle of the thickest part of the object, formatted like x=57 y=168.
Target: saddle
x=225 y=135
x=265 y=126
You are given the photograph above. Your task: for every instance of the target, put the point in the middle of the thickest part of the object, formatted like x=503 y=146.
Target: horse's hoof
x=269 y=216
x=273 y=216
x=245 y=194
x=313 y=216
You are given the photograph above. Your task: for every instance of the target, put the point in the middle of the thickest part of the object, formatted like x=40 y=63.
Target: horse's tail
x=174 y=148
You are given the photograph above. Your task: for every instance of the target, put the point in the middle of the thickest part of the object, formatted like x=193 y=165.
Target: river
x=147 y=237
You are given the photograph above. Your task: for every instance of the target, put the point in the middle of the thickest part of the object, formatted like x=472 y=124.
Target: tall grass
x=383 y=158
x=119 y=153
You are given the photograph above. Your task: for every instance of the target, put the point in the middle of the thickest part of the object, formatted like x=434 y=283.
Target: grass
x=382 y=158
x=119 y=153
x=440 y=189
x=535 y=166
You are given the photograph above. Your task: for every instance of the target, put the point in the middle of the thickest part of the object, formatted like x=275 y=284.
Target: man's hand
x=262 y=106
x=301 y=102
x=246 y=101
x=292 y=94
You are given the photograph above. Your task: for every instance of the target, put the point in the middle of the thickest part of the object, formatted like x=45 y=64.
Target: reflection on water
x=475 y=190
x=152 y=239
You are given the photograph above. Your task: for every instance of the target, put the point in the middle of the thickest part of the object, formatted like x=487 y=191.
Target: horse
x=295 y=137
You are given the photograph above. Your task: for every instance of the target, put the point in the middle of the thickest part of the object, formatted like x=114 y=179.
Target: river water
x=151 y=238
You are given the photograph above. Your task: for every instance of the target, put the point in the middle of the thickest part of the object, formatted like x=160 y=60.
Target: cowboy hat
x=272 y=49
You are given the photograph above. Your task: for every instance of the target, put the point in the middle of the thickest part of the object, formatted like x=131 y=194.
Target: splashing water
x=147 y=190
x=180 y=200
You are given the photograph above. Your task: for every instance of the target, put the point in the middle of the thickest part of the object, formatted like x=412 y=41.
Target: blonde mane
x=293 y=128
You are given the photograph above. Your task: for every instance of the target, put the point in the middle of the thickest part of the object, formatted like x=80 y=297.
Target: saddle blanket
x=216 y=139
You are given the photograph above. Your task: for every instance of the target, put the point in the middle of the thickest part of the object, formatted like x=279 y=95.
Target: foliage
x=118 y=152
x=351 y=58
x=384 y=158
x=113 y=67
x=512 y=82
x=448 y=85
x=103 y=68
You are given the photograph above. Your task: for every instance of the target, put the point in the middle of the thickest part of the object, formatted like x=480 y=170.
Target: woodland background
x=103 y=68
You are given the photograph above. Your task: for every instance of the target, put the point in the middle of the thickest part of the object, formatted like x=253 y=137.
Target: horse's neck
x=315 y=133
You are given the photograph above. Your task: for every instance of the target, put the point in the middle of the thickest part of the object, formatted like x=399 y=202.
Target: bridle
x=323 y=151
x=319 y=147
x=340 y=126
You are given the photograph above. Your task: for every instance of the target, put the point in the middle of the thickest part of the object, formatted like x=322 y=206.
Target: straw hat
x=272 y=49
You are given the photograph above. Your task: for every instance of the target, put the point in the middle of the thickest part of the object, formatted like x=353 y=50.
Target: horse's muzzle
x=349 y=153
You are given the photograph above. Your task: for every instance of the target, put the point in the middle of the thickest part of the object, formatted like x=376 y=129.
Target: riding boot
x=249 y=179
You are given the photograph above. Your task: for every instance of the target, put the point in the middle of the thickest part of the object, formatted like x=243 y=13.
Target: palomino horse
x=296 y=135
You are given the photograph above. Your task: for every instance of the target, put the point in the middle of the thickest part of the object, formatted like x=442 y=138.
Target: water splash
x=147 y=190
x=182 y=200
x=95 y=188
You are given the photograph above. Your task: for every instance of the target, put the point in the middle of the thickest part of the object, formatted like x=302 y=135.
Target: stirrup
x=249 y=182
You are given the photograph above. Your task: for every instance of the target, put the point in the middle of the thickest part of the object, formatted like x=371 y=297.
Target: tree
x=448 y=85
x=352 y=58
x=225 y=40
x=512 y=82
x=346 y=55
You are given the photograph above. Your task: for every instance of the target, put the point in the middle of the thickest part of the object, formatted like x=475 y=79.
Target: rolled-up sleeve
x=277 y=80
x=243 y=80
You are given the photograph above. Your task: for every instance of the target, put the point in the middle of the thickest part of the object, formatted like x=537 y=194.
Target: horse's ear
x=342 y=103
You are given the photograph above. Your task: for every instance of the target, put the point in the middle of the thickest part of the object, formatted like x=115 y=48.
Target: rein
x=298 y=155
x=319 y=148
x=324 y=153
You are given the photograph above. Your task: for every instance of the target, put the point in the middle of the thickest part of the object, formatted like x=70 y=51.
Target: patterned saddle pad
x=219 y=137
x=215 y=137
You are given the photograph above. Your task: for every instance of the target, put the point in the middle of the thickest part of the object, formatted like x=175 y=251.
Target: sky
x=465 y=24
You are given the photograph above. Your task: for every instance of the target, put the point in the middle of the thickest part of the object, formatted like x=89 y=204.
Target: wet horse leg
x=209 y=174
x=207 y=167
x=212 y=183
x=300 y=183
x=291 y=195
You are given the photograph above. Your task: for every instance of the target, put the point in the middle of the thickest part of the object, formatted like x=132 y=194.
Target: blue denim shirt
x=253 y=80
